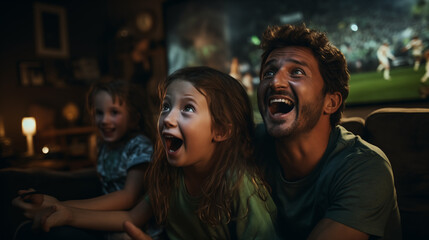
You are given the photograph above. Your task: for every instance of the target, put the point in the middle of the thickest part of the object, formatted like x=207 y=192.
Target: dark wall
x=85 y=30
x=91 y=27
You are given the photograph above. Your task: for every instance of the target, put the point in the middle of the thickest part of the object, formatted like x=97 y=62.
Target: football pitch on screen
x=371 y=87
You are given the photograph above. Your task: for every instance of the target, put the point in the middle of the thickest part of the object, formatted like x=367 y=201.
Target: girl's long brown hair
x=231 y=111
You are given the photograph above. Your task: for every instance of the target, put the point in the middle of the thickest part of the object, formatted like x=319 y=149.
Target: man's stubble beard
x=305 y=121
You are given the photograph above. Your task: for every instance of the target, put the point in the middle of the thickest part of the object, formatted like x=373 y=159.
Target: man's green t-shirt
x=252 y=216
x=352 y=184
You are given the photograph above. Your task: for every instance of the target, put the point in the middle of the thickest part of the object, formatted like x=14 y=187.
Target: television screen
x=226 y=35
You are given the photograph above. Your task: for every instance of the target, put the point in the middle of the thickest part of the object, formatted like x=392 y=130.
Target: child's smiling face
x=185 y=126
x=111 y=118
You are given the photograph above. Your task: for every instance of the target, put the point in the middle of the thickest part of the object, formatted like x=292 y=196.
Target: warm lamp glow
x=45 y=150
x=29 y=129
x=28 y=126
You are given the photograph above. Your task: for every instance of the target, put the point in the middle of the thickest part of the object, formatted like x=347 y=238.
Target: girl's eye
x=189 y=108
x=115 y=112
x=165 y=107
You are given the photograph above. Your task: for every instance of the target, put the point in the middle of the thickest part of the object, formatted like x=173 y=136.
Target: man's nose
x=281 y=79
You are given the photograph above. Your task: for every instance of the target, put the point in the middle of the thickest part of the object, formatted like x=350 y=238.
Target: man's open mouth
x=172 y=143
x=280 y=106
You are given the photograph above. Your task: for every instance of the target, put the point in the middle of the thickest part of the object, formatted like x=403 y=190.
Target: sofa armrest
x=403 y=135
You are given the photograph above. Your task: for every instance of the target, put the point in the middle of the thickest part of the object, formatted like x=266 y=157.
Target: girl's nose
x=170 y=119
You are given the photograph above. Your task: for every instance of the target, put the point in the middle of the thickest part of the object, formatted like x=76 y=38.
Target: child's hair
x=231 y=112
x=133 y=96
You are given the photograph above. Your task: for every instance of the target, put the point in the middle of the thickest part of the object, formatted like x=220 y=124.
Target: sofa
x=402 y=133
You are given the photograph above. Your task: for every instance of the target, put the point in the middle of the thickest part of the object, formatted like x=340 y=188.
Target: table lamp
x=29 y=129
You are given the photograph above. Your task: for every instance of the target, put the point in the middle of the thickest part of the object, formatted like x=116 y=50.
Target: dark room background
x=101 y=36
x=119 y=39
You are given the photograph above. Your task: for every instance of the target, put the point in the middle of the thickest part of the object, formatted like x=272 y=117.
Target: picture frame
x=31 y=73
x=51 y=36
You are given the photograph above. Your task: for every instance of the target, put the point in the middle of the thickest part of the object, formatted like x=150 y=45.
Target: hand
x=134 y=232
x=30 y=203
x=52 y=216
x=40 y=217
x=38 y=198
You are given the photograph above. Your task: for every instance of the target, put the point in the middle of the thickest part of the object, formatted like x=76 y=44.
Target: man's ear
x=222 y=134
x=332 y=103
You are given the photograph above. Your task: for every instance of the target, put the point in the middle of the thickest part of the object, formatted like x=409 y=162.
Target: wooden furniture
x=70 y=143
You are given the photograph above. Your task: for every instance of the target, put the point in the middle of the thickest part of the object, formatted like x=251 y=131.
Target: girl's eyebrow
x=189 y=97
x=166 y=97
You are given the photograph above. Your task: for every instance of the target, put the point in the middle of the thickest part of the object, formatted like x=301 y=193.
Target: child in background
x=203 y=183
x=126 y=134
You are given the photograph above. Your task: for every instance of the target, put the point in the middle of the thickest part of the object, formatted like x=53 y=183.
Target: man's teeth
x=278 y=106
x=281 y=100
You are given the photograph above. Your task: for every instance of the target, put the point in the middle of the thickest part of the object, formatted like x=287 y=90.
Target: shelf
x=68 y=131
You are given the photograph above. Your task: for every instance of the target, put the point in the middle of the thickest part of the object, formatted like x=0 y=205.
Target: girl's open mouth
x=172 y=143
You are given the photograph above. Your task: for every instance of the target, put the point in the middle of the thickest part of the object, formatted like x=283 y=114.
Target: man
x=326 y=182
x=383 y=55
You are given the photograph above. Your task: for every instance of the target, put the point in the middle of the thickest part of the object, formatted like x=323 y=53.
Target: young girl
x=126 y=134
x=202 y=181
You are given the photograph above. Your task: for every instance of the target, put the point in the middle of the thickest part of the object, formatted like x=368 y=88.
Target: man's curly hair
x=332 y=63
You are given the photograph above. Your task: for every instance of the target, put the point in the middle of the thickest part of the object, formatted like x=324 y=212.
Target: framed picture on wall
x=31 y=73
x=51 y=31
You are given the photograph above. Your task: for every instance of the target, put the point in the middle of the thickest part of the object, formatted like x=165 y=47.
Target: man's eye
x=189 y=108
x=298 y=71
x=268 y=74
